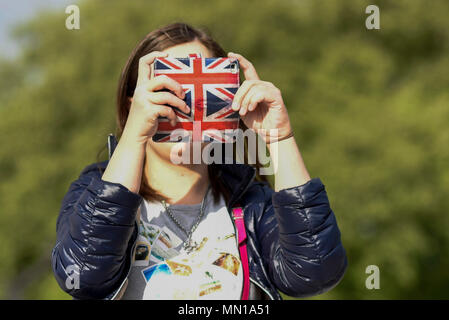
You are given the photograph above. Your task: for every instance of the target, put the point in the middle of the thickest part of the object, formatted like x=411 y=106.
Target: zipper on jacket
x=251 y=279
x=261 y=287
x=130 y=266
x=237 y=241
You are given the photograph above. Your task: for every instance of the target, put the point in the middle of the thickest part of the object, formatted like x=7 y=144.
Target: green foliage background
x=370 y=111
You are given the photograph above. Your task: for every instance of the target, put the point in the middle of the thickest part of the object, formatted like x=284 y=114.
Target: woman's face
x=163 y=149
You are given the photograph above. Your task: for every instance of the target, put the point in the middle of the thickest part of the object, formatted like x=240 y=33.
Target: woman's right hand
x=147 y=105
x=126 y=163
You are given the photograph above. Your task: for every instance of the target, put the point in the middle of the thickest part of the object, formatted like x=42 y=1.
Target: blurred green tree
x=369 y=108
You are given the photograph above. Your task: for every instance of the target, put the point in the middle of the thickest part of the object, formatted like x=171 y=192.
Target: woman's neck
x=181 y=184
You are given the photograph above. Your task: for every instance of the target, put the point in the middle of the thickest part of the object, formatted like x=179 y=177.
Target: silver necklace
x=188 y=245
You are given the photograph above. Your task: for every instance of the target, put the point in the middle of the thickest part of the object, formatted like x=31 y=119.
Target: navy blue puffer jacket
x=293 y=239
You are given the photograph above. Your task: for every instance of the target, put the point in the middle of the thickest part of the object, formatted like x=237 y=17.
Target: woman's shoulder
x=94 y=169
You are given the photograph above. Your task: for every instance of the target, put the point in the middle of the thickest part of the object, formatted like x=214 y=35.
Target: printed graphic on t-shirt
x=210 y=269
x=148 y=233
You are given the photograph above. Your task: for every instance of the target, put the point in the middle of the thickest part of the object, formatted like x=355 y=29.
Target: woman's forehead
x=184 y=49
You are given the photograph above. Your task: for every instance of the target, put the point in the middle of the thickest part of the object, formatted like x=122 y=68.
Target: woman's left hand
x=260 y=104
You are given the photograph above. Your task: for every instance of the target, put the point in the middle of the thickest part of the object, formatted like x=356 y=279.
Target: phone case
x=210 y=85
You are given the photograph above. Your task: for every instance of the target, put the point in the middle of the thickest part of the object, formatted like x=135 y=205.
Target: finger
x=256 y=98
x=247 y=67
x=241 y=92
x=166 y=111
x=144 y=70
x=254 y=90
x=165 y=82
x=169 y=99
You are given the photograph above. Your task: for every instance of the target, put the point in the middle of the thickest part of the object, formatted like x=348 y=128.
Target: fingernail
x=234 y=106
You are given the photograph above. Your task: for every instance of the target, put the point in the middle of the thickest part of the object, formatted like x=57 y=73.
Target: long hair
x=159 y=40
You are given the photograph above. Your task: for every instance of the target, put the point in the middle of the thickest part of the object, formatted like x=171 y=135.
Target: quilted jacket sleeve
x=95 y=232
x=300 y=240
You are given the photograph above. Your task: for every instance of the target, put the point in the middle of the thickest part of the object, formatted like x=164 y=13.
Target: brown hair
x=158 y=40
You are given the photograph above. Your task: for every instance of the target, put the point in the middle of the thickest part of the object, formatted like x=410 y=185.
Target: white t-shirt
x=163 y=269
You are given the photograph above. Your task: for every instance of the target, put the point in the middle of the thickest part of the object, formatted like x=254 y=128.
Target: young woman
x=141 y=227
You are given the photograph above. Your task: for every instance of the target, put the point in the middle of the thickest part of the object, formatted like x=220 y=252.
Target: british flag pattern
x=209 y=85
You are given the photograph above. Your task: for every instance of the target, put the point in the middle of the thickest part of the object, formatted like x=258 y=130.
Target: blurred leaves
x=370 y=112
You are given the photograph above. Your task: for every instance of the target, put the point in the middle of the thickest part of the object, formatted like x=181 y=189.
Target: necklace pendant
x=189 y=246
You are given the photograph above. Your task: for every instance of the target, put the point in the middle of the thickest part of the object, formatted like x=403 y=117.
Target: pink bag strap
x=237 y=213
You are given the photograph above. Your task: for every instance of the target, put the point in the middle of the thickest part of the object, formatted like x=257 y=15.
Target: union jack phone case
x=209 y=85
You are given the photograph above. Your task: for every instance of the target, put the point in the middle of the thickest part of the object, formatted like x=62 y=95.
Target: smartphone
x=209 y=85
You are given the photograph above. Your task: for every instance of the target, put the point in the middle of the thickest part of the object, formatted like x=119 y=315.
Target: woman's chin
x=179 y=152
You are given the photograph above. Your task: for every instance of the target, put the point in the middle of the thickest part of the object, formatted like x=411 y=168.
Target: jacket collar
x=237 y=178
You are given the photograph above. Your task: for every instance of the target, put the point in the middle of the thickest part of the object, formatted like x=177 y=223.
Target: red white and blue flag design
x=209 y=85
